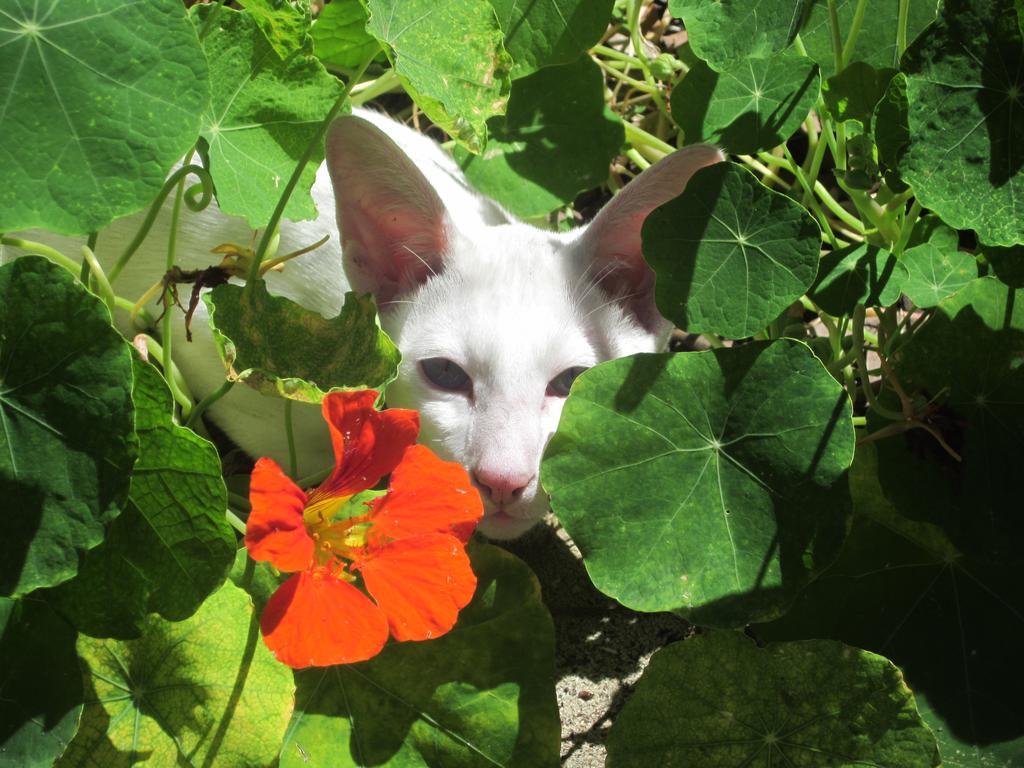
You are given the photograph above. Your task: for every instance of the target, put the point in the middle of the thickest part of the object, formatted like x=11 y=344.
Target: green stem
x=207 y=401
x=713 y=340
x=643 y=140
x=39 y=249
x=157 y=204
x=636 y=37
x=818 y=157
x=851 y=37
x=239 y=501
x=611 y=53
x=315 y=479
x=632 y=81
x=901 y=29
x=167 y=360
x=89 y=258
x=387 y=82
x=315 y=142
x=857 y=348
x=179 y=389
x=837 y=40
x=907 y=229
x=860 y=421
x=239 y=525
x=293 y=463
x=798 y=172
x=641 y=162
x=83 y=274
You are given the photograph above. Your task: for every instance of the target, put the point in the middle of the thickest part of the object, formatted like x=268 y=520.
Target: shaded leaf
x=891 y=131
x=936 y=272
x=853 y=94
x=42 y=684
x=450 y=58
x=202 y=691
x=544 y=33
x=264 y=112
x=481 y=695
x=858 y=274
x=710 y=483
x=284 y=24
x=557 y=140
x=97 y=107
x=67 y=441
x=730 y=254
x=965 y=90
x=283 y=349
x=340 y=38
x=752 y=105
x=172 y=546
x=719 y=700
x=1007 y=263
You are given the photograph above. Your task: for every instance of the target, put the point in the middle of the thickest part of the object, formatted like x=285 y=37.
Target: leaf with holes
x=264 y=112
x=857 y=274
x=205 y=689
x=450 y=58
x=557 y=140
x=965 y=91
x=172 y=546
x=719 y=700
x=730 y=254
x=483 y=694
x=67 y=439
x=753 y=105
x=283 y=349
x=99 y=100
x=544 y=33
x=712 y=484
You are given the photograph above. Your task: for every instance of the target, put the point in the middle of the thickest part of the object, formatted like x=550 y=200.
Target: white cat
x=494 y=317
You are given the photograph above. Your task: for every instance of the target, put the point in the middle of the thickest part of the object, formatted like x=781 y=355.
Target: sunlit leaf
x=936 y=272
x=340 y=38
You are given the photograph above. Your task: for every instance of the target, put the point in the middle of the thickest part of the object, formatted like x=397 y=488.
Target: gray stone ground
x=600 y=647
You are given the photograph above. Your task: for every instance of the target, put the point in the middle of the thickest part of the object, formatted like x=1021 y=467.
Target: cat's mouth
x=502 y=523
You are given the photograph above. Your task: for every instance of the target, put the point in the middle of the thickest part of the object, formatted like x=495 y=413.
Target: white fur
x=456 y=277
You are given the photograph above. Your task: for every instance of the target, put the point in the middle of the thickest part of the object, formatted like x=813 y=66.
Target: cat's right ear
x=394 y=227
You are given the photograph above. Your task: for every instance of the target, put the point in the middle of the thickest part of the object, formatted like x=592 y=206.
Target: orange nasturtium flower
x=407 y=547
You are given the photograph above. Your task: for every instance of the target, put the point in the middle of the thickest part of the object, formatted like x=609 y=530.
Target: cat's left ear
x=610 y=245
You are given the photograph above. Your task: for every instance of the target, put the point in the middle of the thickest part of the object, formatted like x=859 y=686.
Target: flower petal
x=426 y=495
x=316 y=620
x=420 y=584
x=367 y=443
x=275 y=530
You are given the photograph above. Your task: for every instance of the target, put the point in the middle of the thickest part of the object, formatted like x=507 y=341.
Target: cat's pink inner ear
x=612 y=241
x=393 y=224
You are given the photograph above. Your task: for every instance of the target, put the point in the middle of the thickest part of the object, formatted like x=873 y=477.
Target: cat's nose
x=500 y=486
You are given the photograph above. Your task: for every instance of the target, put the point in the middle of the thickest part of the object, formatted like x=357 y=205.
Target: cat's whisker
x=422 y=260
x=614 y=300
x=598 y=278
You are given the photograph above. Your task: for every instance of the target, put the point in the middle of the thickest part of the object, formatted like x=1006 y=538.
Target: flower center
x=337 y=541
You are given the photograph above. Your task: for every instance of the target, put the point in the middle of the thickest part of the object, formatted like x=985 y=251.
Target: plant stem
x=293 y=464
x=636 y=37
x=639 y=160
x=901 y=29
x=837 y=41
x=611 y=53
x=180 y=388
x=638 y=84
x=167 y=361
x=207 y=401
x=89 y=259
x=643 y=140
x=387 y=82
x=238 y=524
x=851 y=37
x=907 y=229
x=239 y=502
x=39 y=249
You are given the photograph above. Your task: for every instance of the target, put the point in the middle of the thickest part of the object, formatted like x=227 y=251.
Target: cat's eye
x=444 y=374
x=559 y=386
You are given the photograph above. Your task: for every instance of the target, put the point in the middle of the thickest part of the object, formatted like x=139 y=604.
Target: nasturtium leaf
x=752 y=105
x=965 y=90
x=889 y=123
x=877 y=40
x=902 y=588
x=719 y=700
x=858 y=274
x=854 y=93
x=264 y=112
x=99 y=100
x=730 y=254
x=283 y=349
x=450 y=58
x=67 y=439
x=284 y=24
x=936 y=272
x=204 y=691
x=725 y=32
x=548 y=32
x=1007 y=263
x=172 y=546
x=708 y=483
x=483 y=694
x=557 y=140
x=340 y=38
x=42 y=684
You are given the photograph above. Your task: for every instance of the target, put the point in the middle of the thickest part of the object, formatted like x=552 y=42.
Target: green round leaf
x=876 y=42
x=719 y=700
x=205 y=691
x=936 y=272
x=481 y=695
x=450 y=58
x=724 y=32
x=42 y=684
x=730 y=254
x=858 y=274
x=708 y=483
x=853 y=94
x=264 y=112
x=965 y=90
x=99 y=100
x=172 y=546
x=754 y=104
x=557 y=140
x=543 y=33
x=901 y=586
x=340 y=38
x=67 y=442
x=283 y=349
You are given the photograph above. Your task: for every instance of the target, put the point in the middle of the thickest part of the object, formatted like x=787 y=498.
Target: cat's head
x=495 y=322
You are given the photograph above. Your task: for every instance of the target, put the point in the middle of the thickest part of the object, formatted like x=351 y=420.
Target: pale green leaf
x=340 y=38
